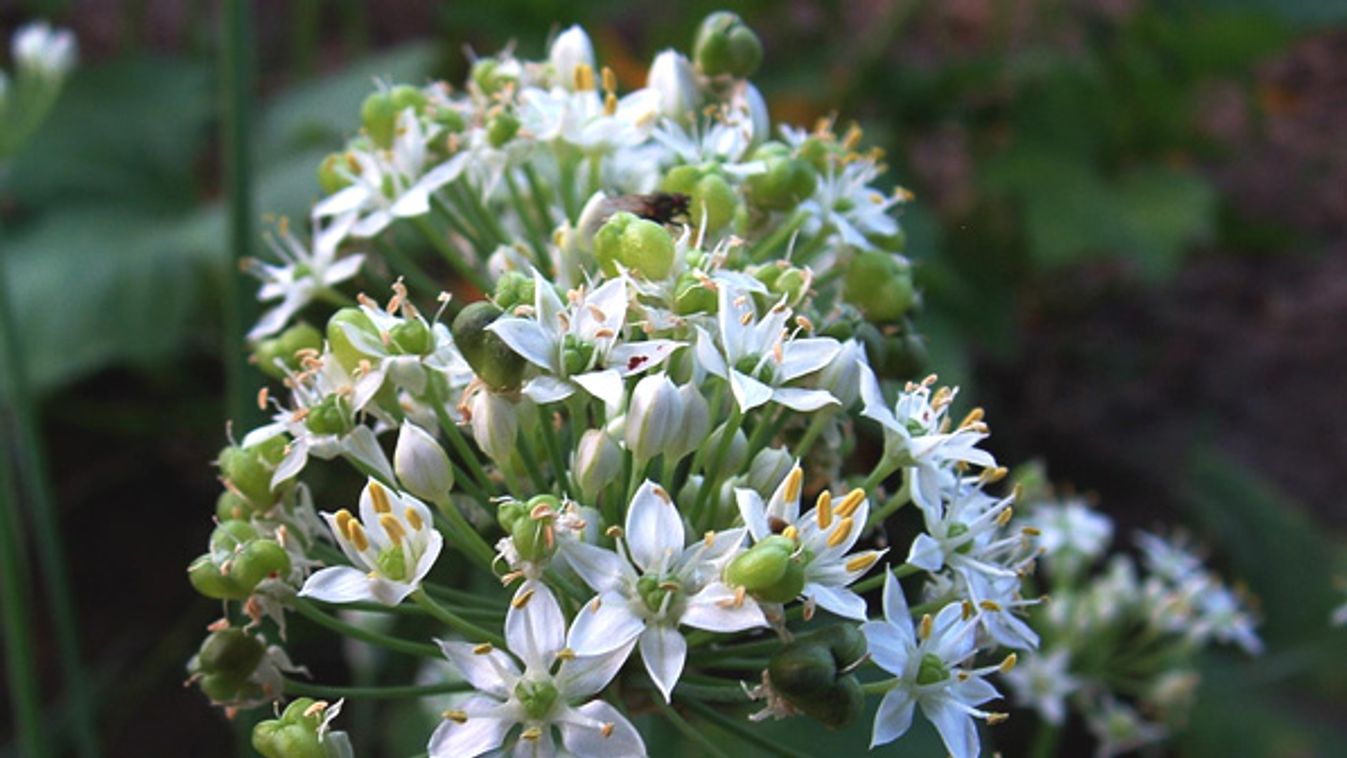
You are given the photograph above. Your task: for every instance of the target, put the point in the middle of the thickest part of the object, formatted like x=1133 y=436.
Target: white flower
x=759 y=357
x=1120 y=729
x=916 y=434
x=39 y=48
x=570 y=50
x=1071 y=531
x=422 y=465
x=1220 y=614
x=387 y=185
x=580 y=346
x=963 y=531
x=924 y=658
x=652 y=416
x=303 y=274
x=392 y=547
x=824 y=536
x=847 y=207
x=1044 y=682
x=539 y=698
x=656 y=586
x=671 y=75
x=1170 y=559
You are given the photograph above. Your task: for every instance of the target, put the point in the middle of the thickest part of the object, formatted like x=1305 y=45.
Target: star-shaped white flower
x=392 y=547
x=580 y=345
x=925 y=658
x=1044 y=682
x=303 y=273
x=759 y=357
x=540 y=697
x=824 y=535
x=657 y=585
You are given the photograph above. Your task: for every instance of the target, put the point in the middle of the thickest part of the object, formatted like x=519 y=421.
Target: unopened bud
x=726 y=46
x=693 y=424
x=495 y=425
x=842 y=377
x=422 y=465
x=570 y=50
x=768 y=469
x=672 y=77
x=652 y=416
x=598 y=460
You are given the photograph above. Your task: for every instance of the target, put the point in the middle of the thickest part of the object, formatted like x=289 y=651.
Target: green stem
x=768 y=245
x=398 y=645
x=451 y=430
x=879 y=688
x=711 y=480
x=707 y=747
x=561 y=471
x=333 y=692
x=537 y=240
x=468 y=538
x=452 y=256
x=530 y=459
x=1045 y=740
x=878 y=475
x=455 y=621
x=900 y=498
x=811 y=435
x=742 y=730
x=23 y=692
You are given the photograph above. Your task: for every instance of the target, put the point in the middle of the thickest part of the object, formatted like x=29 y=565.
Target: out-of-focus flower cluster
x=646 y=412
x=42 y=58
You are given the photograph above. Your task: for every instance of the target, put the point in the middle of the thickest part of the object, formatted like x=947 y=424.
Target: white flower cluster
x=678 y=322
x=43 y=56
x=1128 y=629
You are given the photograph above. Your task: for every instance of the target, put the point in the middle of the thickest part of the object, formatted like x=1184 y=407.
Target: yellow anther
x=523 y=598
x=852 y=138
x=566 y=654
x=609 y=104
x=861 y=562
x=1004 y=517
x=262 y=399
x=794 y=481
x=595 y=604
x=973 y=417
x=380 y=498
x=990 y=475
x=662 y=494
x=549 y=537
x=413 y=519
x=995 y=718
x=356 y=533
x=1031 y=531
x=924 y=628
x=1009 y=663
x=740 y=593
x=609 y=80
x=746 y=318
x=532 y=734
x=607 y=729
x=483 y=649
x=584 y=77
x=670 y=585
x=456 y=716
x=841 y=533
x=613 y=531
x=967 y=610
x=823 y=509
x=344 y=519
x=851 y=502
x=790 y=532
x=709 y=539
x=392 y=527
x=990 y=605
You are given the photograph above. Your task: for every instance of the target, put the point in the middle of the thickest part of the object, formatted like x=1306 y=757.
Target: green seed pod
x=880 y=284
x=259 y=560
x=514 y=289
x=785 y=183
x=250 y=469
x=501 y=129
x=331 y=174
x=379 y=116
x=710 y=197
x=691 y=295
x=277 y=355
x=229 y=536
x=412 y=337
x=639 y=244
x=293 y=735
x=230 y=651
x=229 y=506
x=332 y=415
x=490 y=75
x=491 y=359
x=450 y=120
x=788 y=587
x=812 y=674
x=345 y=351
x=509 y=513
x=761 y=566
x=405 y=96
x=725 y=45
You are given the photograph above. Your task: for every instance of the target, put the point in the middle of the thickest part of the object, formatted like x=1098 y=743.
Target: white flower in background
x=392 y=547
x=1340 y=615
x=1120 y=729
x=1170 y=559
x=657 y=585
x=1220 y=614
x=1070 y=531
x=570 y=50
x=305 y=272
x=539 y=698
x=1043 y=681
x=387 y=185
x=580 y=346
x=916 y=434
x=925 y=657
x=849 y=208
x=759 y=357
x=671 y=75
x=42 y=50
x=824 y=536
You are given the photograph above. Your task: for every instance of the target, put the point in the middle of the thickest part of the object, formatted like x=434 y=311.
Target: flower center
x=658 y=592
x=931 y=670
x=755 y=367
x=392 y=563
x=955 y=531
x=576 y=355
x=537 y=698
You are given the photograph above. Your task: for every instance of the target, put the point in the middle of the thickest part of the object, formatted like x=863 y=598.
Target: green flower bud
x=761 y=566
x=813 y=674
x=737 y=452
x=332 y=415
x=510 y=512
x=293 y=735
x=491 y=76
x=230 y=505
x=514 y=289
x=652 y=417
x=769 y=468
x=691 y=295
x=491 y=359
x=784 y=184
x=639 y=244
x=412 y=337
x=332 y=177
x=249 y=470
x=820 y=152
x=501 y=129
x=379 y=116
x=345 y=351
x=275 y=356
x=405 y=96
x=880 y=284
x=725 y=45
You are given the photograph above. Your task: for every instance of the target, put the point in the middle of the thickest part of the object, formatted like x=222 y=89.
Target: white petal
x=293 y=463
x=444 y=173
x=893 y=718
x=664 y=652
x=654 y=528
x=606 y=385
x=362 y=445
x=343 y=269
x=926 y=553
x=434 y=544
x=804 y=400
x=482 y=670
x=956 y=727
x=338 y=584
x=372 y=224
x=805 y=356
x=974 y=690
x=713 y=609
x=838 y=600
x=586 y=675
x=748 y=392
x=753 y=512
x=389 y=592
x=536 y=631
x=895 y=603
x=344 y=200
x=414 y=202
x=708 y=355
x=890 y=647
x=604 y=624
x=545 y=389
x=873 y=400
x=634 y=357
x=532 y=341
x=602 y=569
x=584 y=736
x=477 y=735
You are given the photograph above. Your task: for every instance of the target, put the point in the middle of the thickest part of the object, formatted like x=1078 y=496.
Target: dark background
x=1129 y=227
